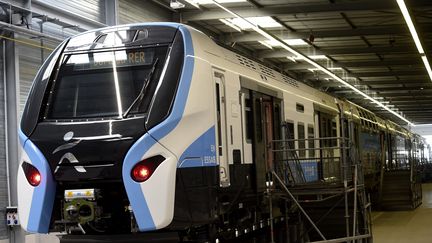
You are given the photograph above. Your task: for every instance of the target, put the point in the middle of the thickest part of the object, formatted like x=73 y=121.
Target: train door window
x=218 y=118
x=259 y=125
x=248 y=118
x=277 y=116
x=301 y=141
x=311 y=141
x=224 y=178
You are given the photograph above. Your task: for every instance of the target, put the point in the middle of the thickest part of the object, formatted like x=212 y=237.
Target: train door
x=266 y=114
x=222 y=150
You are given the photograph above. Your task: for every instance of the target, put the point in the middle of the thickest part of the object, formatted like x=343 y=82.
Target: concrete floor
x=405 y=226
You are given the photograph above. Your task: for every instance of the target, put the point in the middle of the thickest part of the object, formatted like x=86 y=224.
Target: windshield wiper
x=140 y=96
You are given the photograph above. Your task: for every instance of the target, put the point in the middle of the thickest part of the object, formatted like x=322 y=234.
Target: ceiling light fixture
x=287 y=47
x=318 y=57
x=291 y=59
x=410 y=24
x=414 y=35
x=196 y=3
x=291 y=42
x=266 y=44
x=428 y=67
x=250 y=22
x=230 y=24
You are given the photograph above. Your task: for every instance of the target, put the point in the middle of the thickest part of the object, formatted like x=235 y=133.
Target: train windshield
x=101 y=84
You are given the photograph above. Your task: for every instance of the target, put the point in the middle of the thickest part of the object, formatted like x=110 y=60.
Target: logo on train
x=69 y=157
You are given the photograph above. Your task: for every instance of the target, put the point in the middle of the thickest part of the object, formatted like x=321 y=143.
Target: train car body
x=155 y=126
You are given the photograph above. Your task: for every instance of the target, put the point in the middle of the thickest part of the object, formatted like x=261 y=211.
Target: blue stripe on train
x=202 y=152
x=136 y=197
x=43 y=195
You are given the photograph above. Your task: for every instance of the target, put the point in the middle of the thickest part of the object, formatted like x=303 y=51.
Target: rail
x=321 y=161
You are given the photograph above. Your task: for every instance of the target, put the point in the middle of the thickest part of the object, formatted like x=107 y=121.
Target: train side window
x=301 y=141
x=299 y=108
x=311 y=141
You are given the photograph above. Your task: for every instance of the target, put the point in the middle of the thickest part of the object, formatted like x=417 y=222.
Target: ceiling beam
x=389 y=94
x=392 y=89
x=390 y=62
x=412 y=73
x=377 y=85
x=288 y=9
x=281 y=53
x=405 y=100
x=398 y=82
x=332 y=33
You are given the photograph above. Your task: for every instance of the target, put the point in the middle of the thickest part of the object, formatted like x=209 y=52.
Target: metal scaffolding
x=340 y=179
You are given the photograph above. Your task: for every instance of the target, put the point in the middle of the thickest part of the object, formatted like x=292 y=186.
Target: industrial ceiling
x=366 y=43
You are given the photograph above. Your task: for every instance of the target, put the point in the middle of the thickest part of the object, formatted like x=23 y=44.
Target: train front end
x=92 y=157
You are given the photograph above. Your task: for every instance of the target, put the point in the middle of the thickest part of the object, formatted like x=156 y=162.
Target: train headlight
x=143 y=170
x=32 y=174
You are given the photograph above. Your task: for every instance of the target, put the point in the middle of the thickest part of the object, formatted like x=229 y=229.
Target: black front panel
x=93 y=151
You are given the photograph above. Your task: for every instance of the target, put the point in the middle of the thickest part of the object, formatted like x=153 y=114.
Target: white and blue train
x=155 y=126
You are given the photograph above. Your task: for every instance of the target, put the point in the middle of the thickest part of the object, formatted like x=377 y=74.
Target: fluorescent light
x=318 y=57
x=414 y=35
x=410 y=24
x=230 y=24
x=291 y=58
x=428 y=67
x=264 y=43
x=246 y=23
x=296 y=42
x=291 y=42
x=211 y=2
x=314 y=57
x=284 y=45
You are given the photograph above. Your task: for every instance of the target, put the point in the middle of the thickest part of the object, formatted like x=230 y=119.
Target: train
x=155 y=126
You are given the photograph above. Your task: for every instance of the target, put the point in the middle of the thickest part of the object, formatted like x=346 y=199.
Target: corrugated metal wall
x=30 y=60
x=136 y=11
x=91 y=9
x=29 y=63
x=3 y=183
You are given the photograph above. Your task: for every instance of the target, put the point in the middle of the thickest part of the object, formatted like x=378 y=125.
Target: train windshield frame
x=105 y=83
